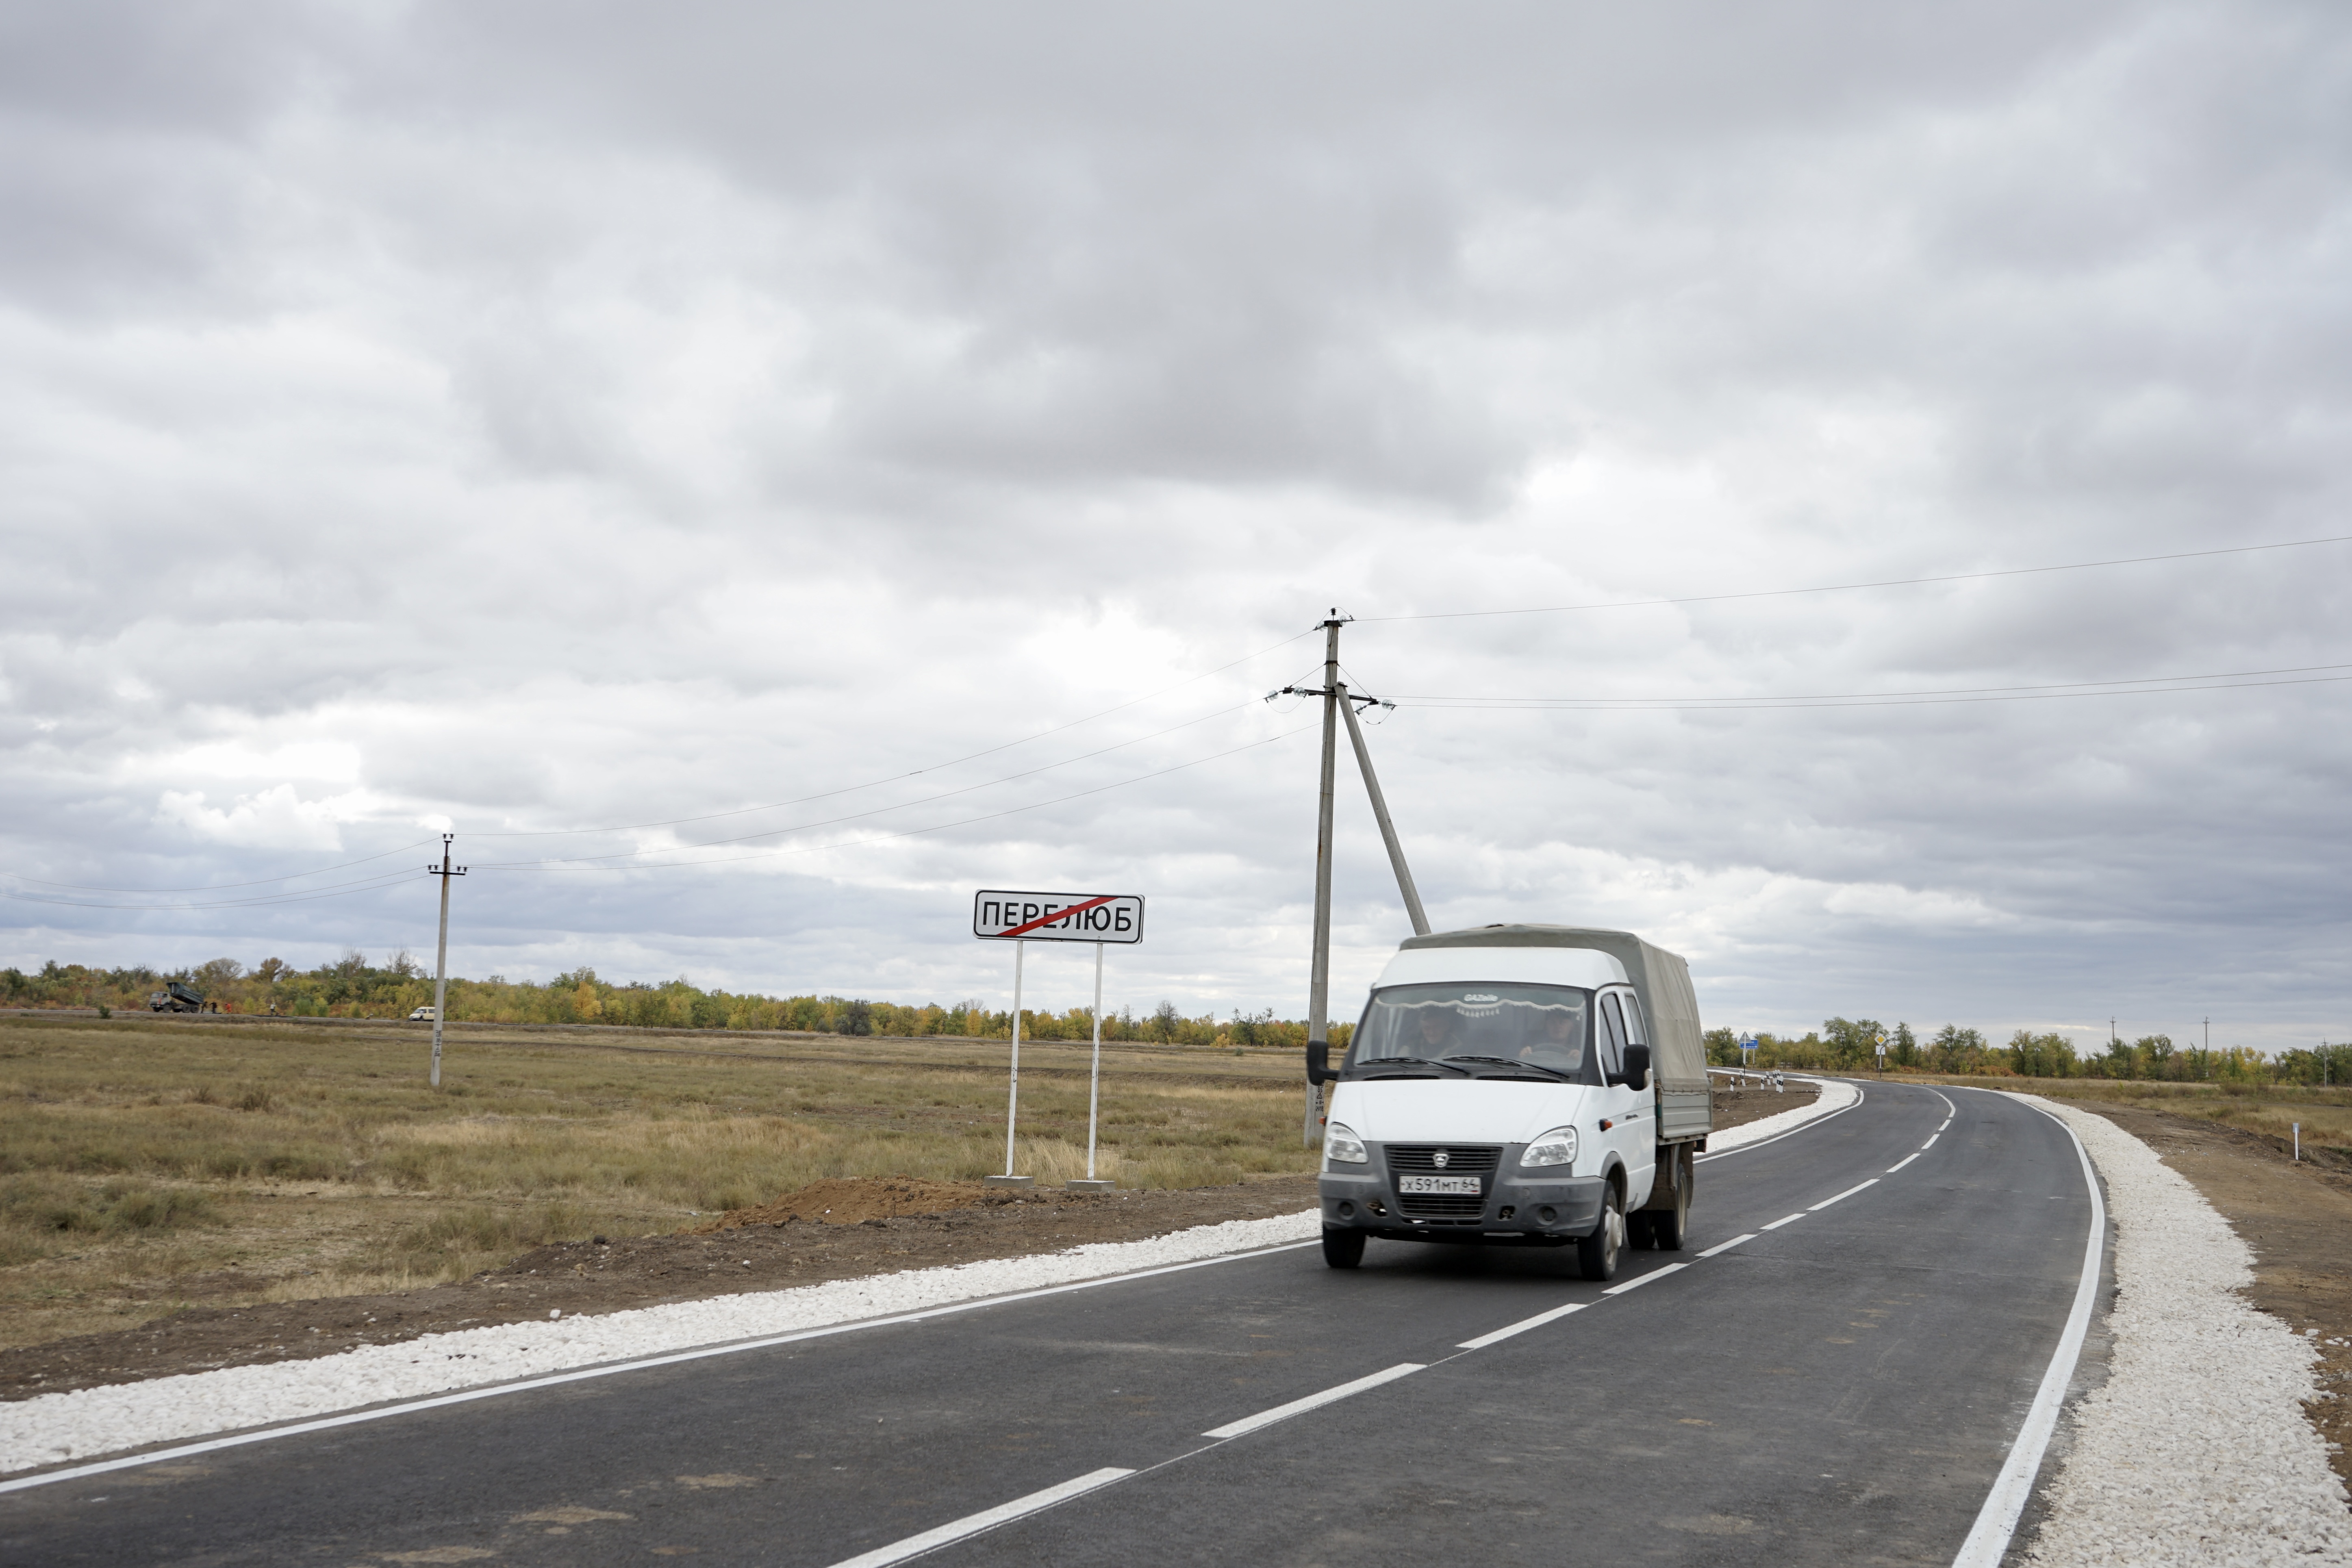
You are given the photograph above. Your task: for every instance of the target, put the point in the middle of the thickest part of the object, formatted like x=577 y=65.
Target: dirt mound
x=848 y=1200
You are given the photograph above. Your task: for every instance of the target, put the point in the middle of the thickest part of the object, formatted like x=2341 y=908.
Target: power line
x=1850 y=587
x=340 y=890
x=1876 y=696
x=937 y=828
x=1757 y=705
x=226 y=887
x=877 y=811
x=893 y=778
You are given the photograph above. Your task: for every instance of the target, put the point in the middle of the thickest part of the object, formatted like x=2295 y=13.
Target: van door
x=1642 y=1144
x=1632 y=1113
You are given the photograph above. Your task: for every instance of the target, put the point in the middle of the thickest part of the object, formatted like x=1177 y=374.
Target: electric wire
x=1932 y=698
x=937 y=828
x=877 y=811
x=1851 y=587
x=225 y=887
x=934 y=767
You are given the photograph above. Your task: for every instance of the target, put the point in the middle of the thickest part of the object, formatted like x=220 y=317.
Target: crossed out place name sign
x=1000 y=916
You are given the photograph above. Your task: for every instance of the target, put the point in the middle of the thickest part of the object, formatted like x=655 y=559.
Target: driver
x=1558 y=1040
x=1436 y=1031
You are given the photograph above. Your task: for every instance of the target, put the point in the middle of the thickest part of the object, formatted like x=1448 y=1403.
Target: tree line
x=351 y=987
x=1852 y=1044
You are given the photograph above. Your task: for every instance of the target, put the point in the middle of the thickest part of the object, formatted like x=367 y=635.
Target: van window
x=1613 y=1034
x=1636 y=1032
x=1491 y=1027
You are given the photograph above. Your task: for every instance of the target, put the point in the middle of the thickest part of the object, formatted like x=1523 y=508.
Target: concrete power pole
x=441 y=954
x=1319 y=984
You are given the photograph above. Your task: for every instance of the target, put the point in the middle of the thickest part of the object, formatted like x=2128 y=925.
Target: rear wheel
x=1342 y=1248
x=1597 y=1255
x=1669 y=1226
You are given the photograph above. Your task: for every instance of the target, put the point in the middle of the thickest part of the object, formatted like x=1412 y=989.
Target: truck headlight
x=1556 y=1147
x=1342 y=1147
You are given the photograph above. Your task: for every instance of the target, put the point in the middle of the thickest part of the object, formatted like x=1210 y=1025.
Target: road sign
x=1001 y=916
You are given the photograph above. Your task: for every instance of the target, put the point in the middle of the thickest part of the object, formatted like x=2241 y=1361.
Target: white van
x=1524 y=1085
x=423 y=1016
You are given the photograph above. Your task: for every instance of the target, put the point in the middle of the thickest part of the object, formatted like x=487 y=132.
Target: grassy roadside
x=148 y=1165
x=2269 y=1112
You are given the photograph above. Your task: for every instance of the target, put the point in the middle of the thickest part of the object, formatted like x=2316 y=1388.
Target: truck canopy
x=1661 y=979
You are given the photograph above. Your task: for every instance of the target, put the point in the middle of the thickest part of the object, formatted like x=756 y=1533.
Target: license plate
x=1454 y=1187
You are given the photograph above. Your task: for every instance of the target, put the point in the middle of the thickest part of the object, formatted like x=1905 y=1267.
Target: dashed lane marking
x=1786 y=1219
x=1249 y=1424
x=1639 y=1280
x=1841 y=1196
x=986 y=1519
x=1728 y=1246
x=1523 y=1325
x=1903 y=1162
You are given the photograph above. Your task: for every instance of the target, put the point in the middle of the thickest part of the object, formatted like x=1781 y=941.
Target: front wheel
x=1597 y=1255
x=1342 y=1248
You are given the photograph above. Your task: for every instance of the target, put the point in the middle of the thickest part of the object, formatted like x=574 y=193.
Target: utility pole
x=1338 y=702
x=1319 y=984
x=441 y=952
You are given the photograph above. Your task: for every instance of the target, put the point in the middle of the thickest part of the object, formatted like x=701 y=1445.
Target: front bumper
x=1528 y=1208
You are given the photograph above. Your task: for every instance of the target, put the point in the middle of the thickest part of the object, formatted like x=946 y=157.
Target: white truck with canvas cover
x=1528 y=1085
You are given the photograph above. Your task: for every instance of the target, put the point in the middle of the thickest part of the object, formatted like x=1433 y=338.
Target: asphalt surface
x=1843 y=1388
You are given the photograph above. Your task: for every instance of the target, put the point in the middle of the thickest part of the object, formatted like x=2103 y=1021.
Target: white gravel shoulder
x=2196 y=1451
x=90 y=1422
x=1835 y=1095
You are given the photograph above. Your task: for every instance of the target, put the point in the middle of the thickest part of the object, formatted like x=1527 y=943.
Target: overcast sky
x=526 y=417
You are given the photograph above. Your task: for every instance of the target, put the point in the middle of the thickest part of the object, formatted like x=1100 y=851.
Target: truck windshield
x=1485 y=1030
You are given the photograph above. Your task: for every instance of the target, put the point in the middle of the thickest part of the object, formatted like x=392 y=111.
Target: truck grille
x=1480 y=1160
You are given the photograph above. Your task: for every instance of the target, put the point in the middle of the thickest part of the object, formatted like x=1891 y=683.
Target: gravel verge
x=56 y=1427
x=2196 y=1450
x=1834 y=1096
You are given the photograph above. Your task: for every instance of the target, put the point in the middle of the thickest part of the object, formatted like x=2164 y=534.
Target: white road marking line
x=987 y=1519
x=1988 y=1540
x=1941 y=1125
x=1522 y=1326
x=1841 y=1196
x=580 y=1374
x=1728 y=1246
x=1248 y=1424
x=1930 y=1144
x=1785 y=1219
x=1903 y=1162
x=1635 y=1284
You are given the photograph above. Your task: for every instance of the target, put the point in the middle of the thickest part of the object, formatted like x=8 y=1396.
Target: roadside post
x=1748 y=1053
x=1881 y=1052
x=441 y=956
x=1021 y=918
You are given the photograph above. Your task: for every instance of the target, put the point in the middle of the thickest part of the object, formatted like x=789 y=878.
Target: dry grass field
x=148 y=1165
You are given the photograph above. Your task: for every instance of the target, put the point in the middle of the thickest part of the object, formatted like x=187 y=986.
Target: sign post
x=1022 y=918
x=1881 y=1052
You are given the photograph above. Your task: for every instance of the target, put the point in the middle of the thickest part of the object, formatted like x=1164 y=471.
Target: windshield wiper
x=1514 y=1062
x=1417 y=1062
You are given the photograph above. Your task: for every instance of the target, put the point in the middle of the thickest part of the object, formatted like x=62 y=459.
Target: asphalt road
x=1840 y=1388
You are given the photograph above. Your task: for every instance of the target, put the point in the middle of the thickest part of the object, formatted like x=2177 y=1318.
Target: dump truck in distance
x=176 y=997
x=1529 y=1085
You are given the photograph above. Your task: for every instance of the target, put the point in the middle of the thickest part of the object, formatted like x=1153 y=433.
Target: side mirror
x=1637 y=1068
x=1319 y=1062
